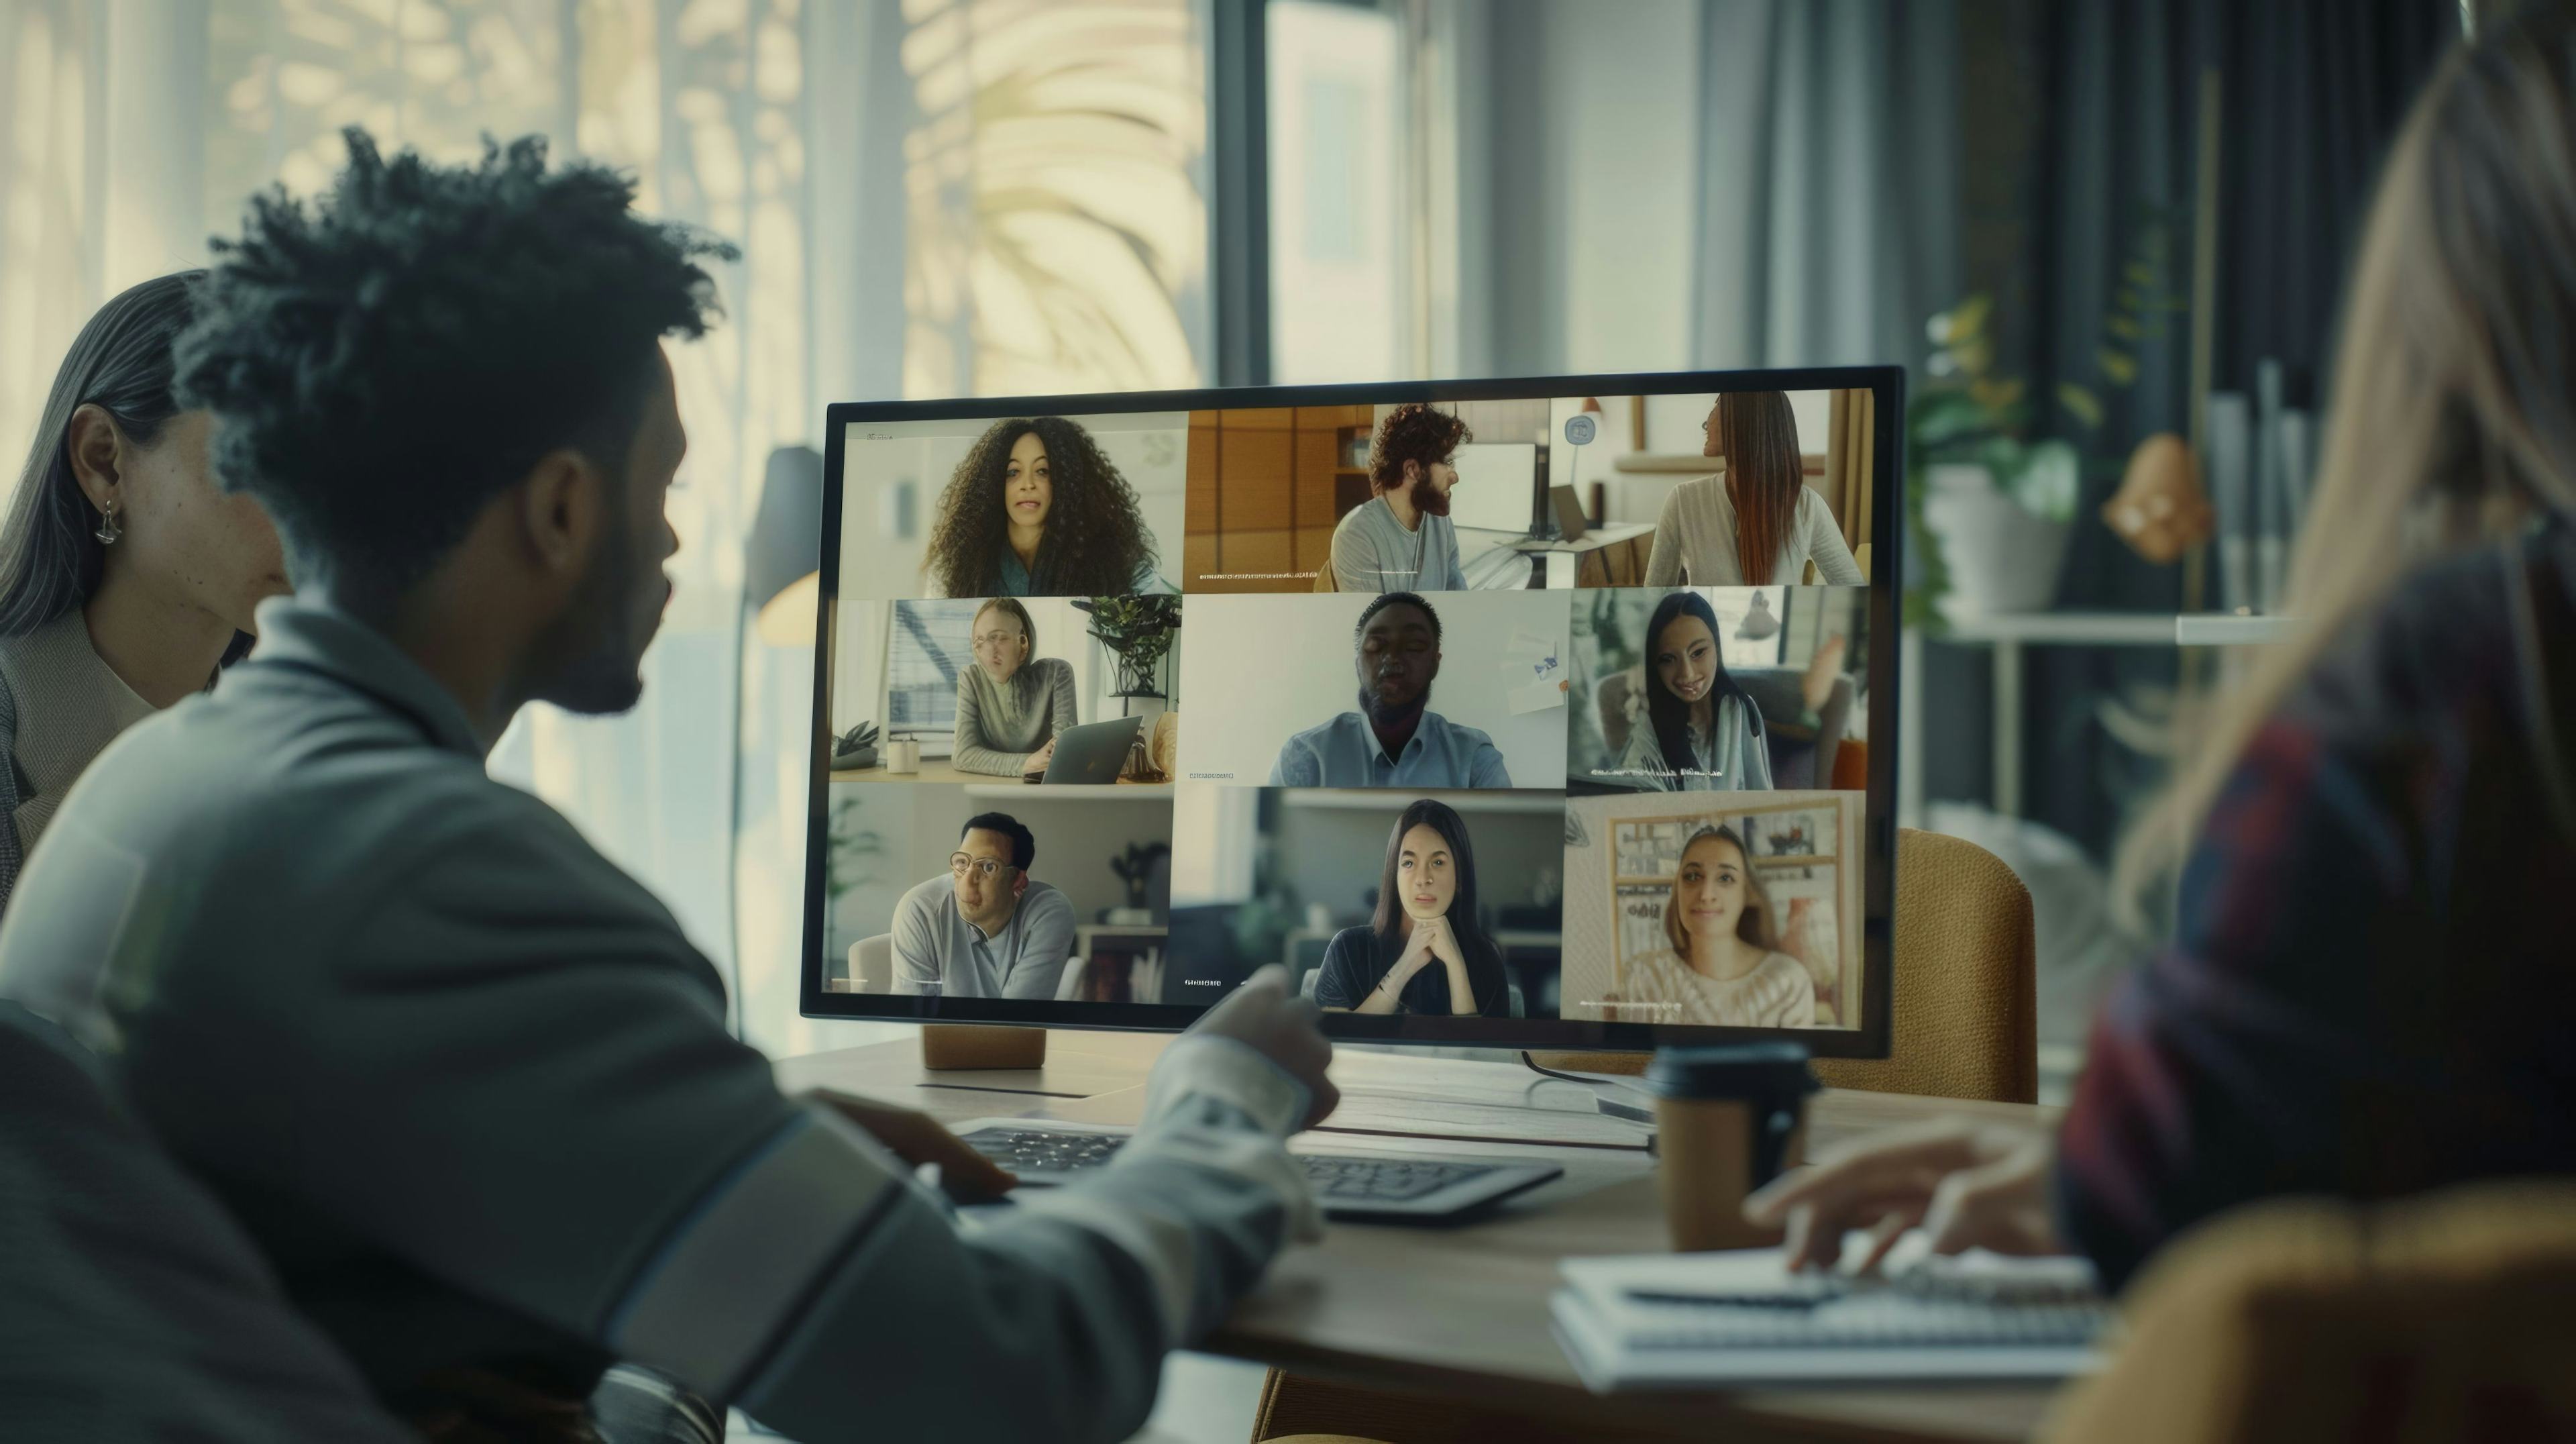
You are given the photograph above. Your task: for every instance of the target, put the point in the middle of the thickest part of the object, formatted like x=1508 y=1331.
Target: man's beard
x=1392 y=716
x=601 y=675
x=1430 y=500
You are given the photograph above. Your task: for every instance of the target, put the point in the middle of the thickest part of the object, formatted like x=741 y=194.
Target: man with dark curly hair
x=1394 y=739
x=1401 y=540
x=468 y=1083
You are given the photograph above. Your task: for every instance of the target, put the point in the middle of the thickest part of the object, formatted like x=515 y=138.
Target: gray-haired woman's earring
x=110 y=527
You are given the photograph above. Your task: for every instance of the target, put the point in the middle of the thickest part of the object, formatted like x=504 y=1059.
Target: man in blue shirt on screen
x=1394 y=739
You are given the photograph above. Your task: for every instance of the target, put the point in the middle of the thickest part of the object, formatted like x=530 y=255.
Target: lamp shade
x=785 y=547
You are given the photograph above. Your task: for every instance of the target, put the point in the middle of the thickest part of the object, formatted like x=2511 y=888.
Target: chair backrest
x=1165 y=744
x=1324 y=579
x=2435 y=1318
x=872 y=964
x=1967 y=1011
x=1611 y=697
x=1068 y=984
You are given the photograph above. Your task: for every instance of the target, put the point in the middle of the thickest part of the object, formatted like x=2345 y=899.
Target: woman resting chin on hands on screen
x=1424 y=952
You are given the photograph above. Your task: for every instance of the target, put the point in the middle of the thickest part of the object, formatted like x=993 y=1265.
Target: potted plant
x=1135 y=868
x=1138 y=632
x=1995 y=478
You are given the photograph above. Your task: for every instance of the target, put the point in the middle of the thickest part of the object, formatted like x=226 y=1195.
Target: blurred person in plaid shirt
x=2365 y=995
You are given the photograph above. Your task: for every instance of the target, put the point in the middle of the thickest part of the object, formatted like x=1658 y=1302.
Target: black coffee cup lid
x=1732 y=1070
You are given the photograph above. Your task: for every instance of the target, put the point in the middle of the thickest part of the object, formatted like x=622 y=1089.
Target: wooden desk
x=1463 y=1311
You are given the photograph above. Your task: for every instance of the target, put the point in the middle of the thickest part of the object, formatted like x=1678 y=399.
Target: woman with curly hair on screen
x=1035 y=510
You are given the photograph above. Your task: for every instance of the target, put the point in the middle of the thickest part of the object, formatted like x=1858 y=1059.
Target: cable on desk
x=1533 y=1065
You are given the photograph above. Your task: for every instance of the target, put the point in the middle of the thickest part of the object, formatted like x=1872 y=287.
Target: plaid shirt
x=2372 y=986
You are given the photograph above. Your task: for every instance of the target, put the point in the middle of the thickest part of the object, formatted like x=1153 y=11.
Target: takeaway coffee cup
x=903 y=755
x=1727 y=1120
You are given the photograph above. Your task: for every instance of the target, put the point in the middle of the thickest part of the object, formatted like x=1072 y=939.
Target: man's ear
x=96 y=449
x=563 y=504
x=1412 y=471
x=1020 y=884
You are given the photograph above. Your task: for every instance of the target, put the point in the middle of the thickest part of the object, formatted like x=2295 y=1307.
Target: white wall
x=895 y=471
x=1260 y=668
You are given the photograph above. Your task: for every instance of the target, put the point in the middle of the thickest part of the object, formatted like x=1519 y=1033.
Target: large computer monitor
x=1536 y=803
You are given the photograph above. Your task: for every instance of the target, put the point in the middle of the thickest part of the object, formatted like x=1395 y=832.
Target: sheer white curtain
x=932 y=197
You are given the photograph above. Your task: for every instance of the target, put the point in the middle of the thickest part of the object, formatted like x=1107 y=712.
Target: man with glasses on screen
x=1395 y=739
x=987 y=929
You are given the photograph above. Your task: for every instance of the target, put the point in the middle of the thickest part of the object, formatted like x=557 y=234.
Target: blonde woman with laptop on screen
x=1757 y=523
x=1011 y=706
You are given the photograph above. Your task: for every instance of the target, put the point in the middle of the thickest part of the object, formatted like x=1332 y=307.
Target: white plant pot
x=2002 y=559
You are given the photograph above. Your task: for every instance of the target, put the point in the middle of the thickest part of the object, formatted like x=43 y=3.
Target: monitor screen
x=1502 y=713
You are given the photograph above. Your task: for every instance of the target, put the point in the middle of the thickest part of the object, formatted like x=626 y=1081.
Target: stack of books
x=1679 y=1321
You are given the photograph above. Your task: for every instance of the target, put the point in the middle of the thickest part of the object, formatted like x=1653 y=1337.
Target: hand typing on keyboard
x=1966 y=1185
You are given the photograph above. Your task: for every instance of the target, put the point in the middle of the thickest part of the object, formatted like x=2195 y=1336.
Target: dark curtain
x=2312 y=92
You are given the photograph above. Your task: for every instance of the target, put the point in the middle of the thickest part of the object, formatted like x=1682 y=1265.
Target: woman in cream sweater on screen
x=1724 y=967
x=1757 y=523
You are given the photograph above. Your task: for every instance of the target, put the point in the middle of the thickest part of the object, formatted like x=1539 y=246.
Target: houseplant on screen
x=1138 y=632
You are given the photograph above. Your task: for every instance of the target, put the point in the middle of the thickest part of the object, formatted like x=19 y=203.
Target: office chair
x=1967 y=971
x=2436 y=1318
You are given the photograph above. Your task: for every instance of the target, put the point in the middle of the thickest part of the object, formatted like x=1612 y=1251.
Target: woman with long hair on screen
x=2366 y=994
x=1701 y=733
x=1035 y=510
x=127 y=580
x=1723 y=967
x=1757 y=523
x=1424 y=952
x=1011 y=706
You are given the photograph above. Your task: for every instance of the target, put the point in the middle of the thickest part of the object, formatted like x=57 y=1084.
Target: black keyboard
x=1336 y=1178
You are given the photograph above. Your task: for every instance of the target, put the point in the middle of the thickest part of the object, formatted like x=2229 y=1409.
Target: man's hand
x=917 y=1138
x=1969 y=1185
x=1265 y=1017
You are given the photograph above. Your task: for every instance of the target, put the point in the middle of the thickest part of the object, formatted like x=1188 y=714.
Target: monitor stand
x=947 y=1046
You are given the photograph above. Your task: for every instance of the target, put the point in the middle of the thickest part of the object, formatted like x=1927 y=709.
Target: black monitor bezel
x=1886 y=588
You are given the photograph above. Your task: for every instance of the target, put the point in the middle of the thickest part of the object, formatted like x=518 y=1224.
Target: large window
x=1057 y=227
x=1340 y=233
x=931 y=646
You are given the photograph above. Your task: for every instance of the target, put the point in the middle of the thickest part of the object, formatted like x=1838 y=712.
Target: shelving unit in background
x=2006 y=636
